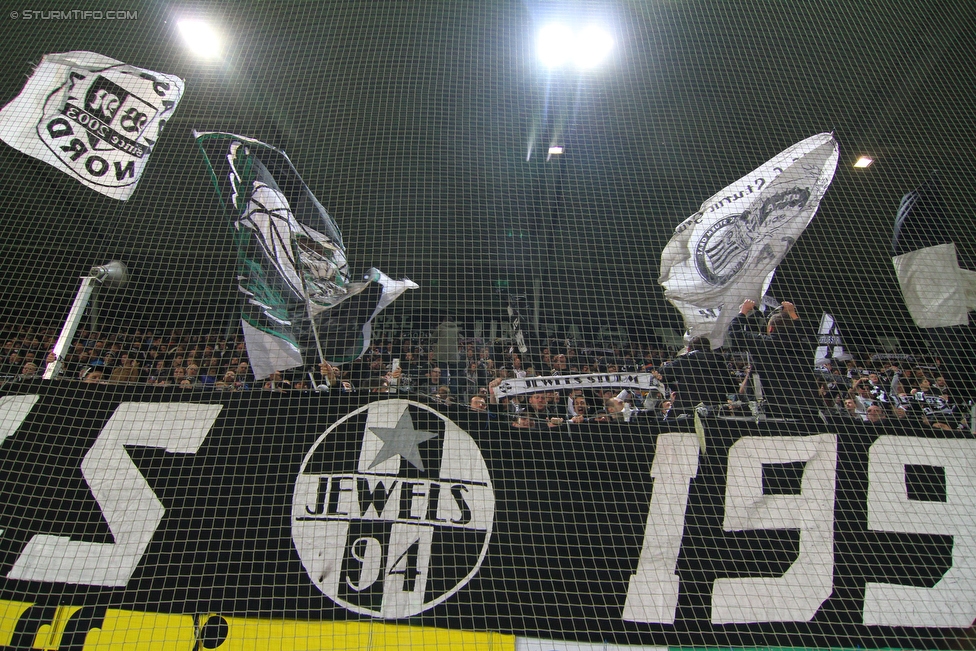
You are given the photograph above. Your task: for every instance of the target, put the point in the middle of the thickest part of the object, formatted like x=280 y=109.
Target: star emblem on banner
x=403 y=440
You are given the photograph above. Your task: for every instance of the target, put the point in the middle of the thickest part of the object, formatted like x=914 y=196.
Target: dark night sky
x=411 y=123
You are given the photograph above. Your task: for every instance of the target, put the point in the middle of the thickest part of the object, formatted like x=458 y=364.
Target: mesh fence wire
x=531 y=206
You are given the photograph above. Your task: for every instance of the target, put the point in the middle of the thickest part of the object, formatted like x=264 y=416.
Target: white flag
x=829 y=343
x=938 y=292
x=92 y=117
x=728 y=250
x=268 y=351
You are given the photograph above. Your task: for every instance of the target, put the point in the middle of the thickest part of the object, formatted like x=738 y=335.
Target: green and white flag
x=301 y=303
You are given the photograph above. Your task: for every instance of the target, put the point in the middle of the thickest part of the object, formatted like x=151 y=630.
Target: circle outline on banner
x=448 y=423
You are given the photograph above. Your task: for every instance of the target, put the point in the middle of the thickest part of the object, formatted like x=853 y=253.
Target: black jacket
x=699 y=376
x=784 y=361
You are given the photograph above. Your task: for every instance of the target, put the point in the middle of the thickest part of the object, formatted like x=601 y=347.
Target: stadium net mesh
x=486 y=324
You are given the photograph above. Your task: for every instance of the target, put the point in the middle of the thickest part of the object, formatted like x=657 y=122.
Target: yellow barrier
x=124 y=629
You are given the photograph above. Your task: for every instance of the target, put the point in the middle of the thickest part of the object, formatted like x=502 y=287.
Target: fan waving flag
x=728 y=250
x=300 y=301
x=92 y=117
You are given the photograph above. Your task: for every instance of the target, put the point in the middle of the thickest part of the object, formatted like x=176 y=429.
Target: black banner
x=312 y=507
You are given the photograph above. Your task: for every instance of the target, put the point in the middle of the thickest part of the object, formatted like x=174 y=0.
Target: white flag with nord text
x=92 y=117
x=728 y=250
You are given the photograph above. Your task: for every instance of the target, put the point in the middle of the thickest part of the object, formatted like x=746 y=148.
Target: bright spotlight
x=585 y=48
x=201 y=38
x=593 y=46
x=864 y=161
x=555 y=45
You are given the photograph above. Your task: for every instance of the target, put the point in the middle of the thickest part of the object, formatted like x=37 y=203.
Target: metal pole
x=296 y=251
x=112 y=274
x=75 y=314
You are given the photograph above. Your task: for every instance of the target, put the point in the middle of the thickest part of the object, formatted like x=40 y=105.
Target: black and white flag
x=92 y=117
x=829 y=343
x=516 y=319
x=937 y=291
x=728 y=250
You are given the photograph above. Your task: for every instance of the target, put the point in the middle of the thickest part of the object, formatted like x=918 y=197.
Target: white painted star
x=403 y=440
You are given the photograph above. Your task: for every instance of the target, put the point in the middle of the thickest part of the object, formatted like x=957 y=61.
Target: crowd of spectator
x=137 y=356
x=872 y=390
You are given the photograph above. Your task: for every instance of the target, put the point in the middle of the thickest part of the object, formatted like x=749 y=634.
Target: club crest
x=393 y=510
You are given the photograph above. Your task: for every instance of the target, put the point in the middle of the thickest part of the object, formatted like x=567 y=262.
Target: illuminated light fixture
x=555 y=46
x=201 y=38
x=593 y=46
x=554 y=150
x=864 y=161
x=586 y=48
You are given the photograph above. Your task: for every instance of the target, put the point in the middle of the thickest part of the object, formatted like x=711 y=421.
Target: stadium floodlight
x=201 y=38
x=554 y=150
x=864 y=161
x=593 y=46
x=585 y=48
x=555 y=45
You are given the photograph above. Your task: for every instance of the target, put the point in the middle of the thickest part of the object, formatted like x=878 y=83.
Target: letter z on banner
x=92 y=117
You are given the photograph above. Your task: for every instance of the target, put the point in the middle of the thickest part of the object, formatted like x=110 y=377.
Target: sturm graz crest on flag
x=301 y=302
x=393 y=510
x=725 y=247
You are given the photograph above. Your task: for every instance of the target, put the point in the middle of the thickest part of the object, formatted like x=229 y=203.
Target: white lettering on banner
x=514 y=387
x=460 y=497
x=798 y=594
x=131 y=509
x=952 y=601
x=13 y=412
x=652 y=594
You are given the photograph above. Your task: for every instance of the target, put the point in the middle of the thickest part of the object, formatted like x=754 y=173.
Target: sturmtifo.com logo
x=393 y=510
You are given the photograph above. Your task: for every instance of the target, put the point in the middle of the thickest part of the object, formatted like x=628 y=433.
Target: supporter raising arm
x=782 y=356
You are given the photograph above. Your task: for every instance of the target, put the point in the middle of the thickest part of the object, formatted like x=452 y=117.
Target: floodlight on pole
x=112 y=275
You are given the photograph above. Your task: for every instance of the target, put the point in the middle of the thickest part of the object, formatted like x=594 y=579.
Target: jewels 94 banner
x=201 y=518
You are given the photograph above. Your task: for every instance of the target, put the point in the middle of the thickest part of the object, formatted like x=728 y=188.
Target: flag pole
x=308 y=301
